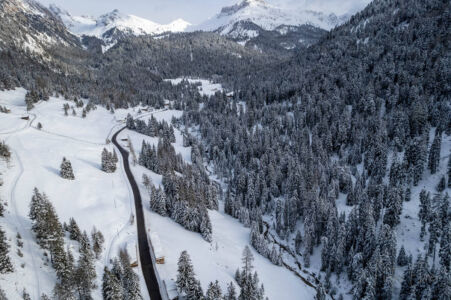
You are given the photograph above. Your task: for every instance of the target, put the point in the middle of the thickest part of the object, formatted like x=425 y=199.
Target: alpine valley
x=269 y=151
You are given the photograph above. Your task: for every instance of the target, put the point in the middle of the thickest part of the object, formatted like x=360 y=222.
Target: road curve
x=143 y=245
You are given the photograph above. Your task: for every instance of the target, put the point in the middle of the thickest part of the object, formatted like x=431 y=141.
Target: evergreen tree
x=407 y=284
x=186 y=282
x=25 y=295
x=231 y=292
x=74 y=230
x=403 y=260
x=214 y=291
x=5 y=261
x=434 y=152
x=97 y=242
x=111 y=287
x=130 y=123
x=109 y=161
x=445 y=248
x=424 y=212
x=441 y=184
x=2 y=295
x=130 y=280
x=85 y=272
x=66 y=171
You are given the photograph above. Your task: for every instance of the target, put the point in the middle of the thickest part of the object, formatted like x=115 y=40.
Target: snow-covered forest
x=263 y=171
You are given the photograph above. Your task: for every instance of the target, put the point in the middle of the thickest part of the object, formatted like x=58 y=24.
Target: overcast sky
x=193 y=11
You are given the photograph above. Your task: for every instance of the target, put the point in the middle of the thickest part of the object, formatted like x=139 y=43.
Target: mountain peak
x=230 y=10
x=110 y=17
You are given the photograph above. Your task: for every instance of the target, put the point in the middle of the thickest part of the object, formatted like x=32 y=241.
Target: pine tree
x=66 y=171
x=205 y=227
x=130 y=280
x=441 y=289
x=2 y=295
x=130 y=123
x=424 y=212
x=441 y=184
x=186 y=281
x=111 y=287
x=2 y=209
x=74 y=230
x=5 y=261
x=214 y=291
x=25 y=295
x=85 y=272
x=44 y=297
x=231 y=292
x=402 y=257
x=249 y=282
x=434 y=152
x=97 y=242
x=65 y=288
x=445 y=248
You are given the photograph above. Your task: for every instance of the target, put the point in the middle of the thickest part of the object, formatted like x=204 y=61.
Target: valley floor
x=105 y=201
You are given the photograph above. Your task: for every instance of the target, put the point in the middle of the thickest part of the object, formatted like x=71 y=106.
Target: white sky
x=193 y=11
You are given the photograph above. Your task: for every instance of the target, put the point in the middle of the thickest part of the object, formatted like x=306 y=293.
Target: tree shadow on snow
x=53 y=170
x=92 y=164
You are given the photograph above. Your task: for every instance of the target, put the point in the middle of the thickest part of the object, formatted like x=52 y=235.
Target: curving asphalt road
x=144 y=249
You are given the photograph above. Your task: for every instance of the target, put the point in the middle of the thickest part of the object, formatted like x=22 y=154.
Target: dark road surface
x=144 y=249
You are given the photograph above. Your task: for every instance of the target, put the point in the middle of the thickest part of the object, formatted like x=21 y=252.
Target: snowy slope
x=94 y=198
x=267 y=16
x=105 y=25
x=219 y=259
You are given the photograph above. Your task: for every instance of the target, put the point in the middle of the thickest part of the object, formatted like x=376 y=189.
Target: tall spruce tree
x=66 y=171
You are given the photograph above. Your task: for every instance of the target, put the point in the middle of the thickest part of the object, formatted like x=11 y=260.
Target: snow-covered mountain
x=115 y=25
x=27 y=25
x=266 y=16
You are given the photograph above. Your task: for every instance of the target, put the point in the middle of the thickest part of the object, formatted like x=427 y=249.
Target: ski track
x=23 y=228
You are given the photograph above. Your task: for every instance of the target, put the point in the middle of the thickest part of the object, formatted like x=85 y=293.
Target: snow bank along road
x=147 y=264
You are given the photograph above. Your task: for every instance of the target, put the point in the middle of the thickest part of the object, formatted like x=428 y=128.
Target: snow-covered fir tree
x=186 y=282
x=108 y=161
x=66 y=171
x=5 y=261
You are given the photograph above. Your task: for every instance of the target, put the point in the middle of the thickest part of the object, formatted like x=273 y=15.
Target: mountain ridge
x=112 y=26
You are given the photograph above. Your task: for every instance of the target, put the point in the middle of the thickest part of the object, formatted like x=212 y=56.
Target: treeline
x=187 y=190
x=153 y=128
x=76 y=279
x=121 y=282
x=246 y=278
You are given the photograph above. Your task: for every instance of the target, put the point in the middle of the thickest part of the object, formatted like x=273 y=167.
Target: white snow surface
x=267 y=16
x=90 y=26
x=94 y=198
x=206 y=88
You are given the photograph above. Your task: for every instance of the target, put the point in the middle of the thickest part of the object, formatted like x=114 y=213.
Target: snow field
x=94 y=198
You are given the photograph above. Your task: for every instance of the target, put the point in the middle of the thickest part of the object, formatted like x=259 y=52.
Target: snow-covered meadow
x=94 y=198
